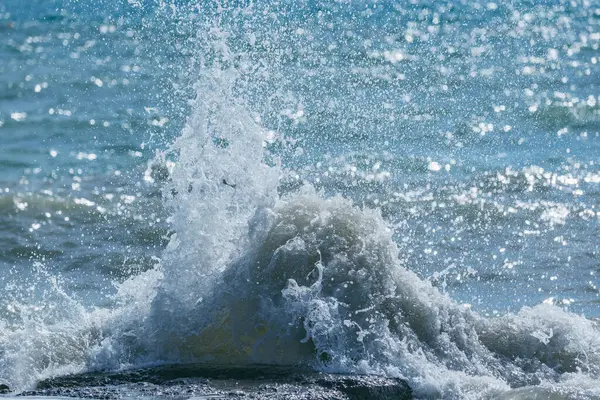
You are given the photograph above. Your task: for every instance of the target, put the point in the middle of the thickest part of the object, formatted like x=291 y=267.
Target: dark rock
x=4 y=389
x=256 y=382
x=367 y=387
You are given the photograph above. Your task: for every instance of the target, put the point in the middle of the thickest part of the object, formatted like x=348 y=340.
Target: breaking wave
x=252 y=277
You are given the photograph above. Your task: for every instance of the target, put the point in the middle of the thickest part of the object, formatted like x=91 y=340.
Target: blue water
x=473 y=128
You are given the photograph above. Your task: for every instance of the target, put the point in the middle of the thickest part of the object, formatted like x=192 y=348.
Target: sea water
x=401 y=189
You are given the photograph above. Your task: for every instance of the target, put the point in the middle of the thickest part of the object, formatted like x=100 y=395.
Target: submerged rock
x=366 y=387
x=224 y=382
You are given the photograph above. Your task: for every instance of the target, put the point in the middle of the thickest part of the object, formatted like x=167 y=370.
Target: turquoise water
x=160 y=159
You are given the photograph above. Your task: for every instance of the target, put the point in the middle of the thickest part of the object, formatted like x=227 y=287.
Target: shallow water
x=408 y=191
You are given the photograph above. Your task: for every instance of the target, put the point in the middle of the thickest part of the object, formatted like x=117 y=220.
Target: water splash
x=252 y=277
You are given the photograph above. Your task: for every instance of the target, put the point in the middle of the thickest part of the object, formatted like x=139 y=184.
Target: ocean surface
x=402 y=190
